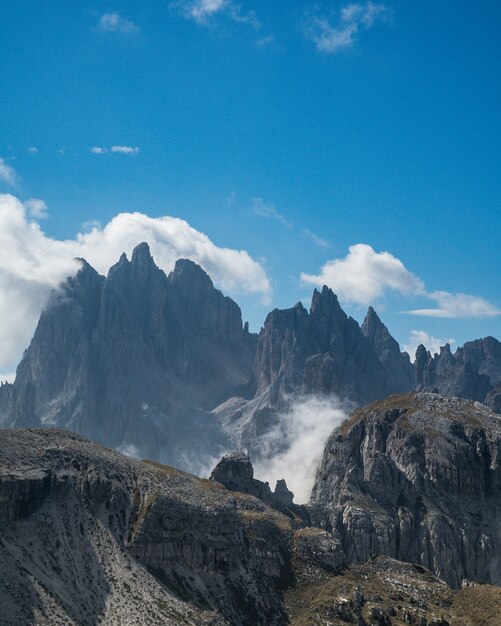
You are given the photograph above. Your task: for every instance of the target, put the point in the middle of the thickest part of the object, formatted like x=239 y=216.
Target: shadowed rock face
x=90 y=537
x=135 y=360
x=418 y=478
x=320 y=352
x=472 y=372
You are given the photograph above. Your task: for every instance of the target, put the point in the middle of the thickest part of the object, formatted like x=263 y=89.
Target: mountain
x=135 y=360
x=90 y=537
x=161 y=366
x=418 y=478
x=473 y=371
x=319 y=352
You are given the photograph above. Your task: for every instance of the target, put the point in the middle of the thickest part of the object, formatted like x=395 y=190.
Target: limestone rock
x=418 y=478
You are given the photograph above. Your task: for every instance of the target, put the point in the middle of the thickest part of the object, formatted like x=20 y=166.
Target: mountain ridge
x=162 y=366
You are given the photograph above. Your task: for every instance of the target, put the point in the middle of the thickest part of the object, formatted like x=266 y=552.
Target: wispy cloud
x=130 y=150
x=265 y=42
x=7 y=173
x=125 y=149
x=431 y=343
x=33 y=150
x=364 y=276
x=457 y=305
x=115 y=23
x=330 y=35
x=204 y=12
x=260 y=208
x=318 y=241
x=36 y=208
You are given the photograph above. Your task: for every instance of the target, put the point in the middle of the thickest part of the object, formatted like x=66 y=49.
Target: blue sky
x=291 y=130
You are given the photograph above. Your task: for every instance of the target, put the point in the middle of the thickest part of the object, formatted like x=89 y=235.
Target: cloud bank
x=304 y=429
x=31 y=263
x=365 y=275
x=331 y=36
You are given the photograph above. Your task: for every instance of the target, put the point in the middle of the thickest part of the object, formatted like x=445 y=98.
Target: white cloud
x=300 y=434
x=8 y=377
x=36 y=208
x=260 y=208
x=431 y=343
x=205 y=11
x=125 y=149
x=7 y=173
x=31 y=263
x=318 y=241
x=365 y=275
x=33 y=150
x=115 y=23
x=457 y=305
x=330 y=37
x=130 y=150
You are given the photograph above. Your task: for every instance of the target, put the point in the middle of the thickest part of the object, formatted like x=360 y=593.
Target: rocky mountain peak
x=186 y=270
x=141 y=255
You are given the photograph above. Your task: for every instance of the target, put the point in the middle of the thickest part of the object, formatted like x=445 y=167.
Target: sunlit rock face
x=418 y=478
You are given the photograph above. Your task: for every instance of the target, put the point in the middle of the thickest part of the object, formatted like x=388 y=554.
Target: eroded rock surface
x=88 y=536
x=417 y=477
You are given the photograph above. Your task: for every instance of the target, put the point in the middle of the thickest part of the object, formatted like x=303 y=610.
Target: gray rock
x=417 y=478
x=135 y=361
x=472 y=372
x=236 y=473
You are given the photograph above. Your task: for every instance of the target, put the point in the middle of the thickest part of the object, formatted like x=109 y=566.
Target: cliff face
x=320 y=352
x=418 y=478
x=135 y=360
x=90 y=537
x=472 y=372
x=325 y=351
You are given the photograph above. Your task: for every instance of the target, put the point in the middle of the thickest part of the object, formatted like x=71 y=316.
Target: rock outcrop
x=418 y=478
x=89 y=537
x=236 y=473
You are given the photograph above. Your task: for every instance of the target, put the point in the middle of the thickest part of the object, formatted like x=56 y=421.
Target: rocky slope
x=385 y=592
x=88 y=536
x=418 y=478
